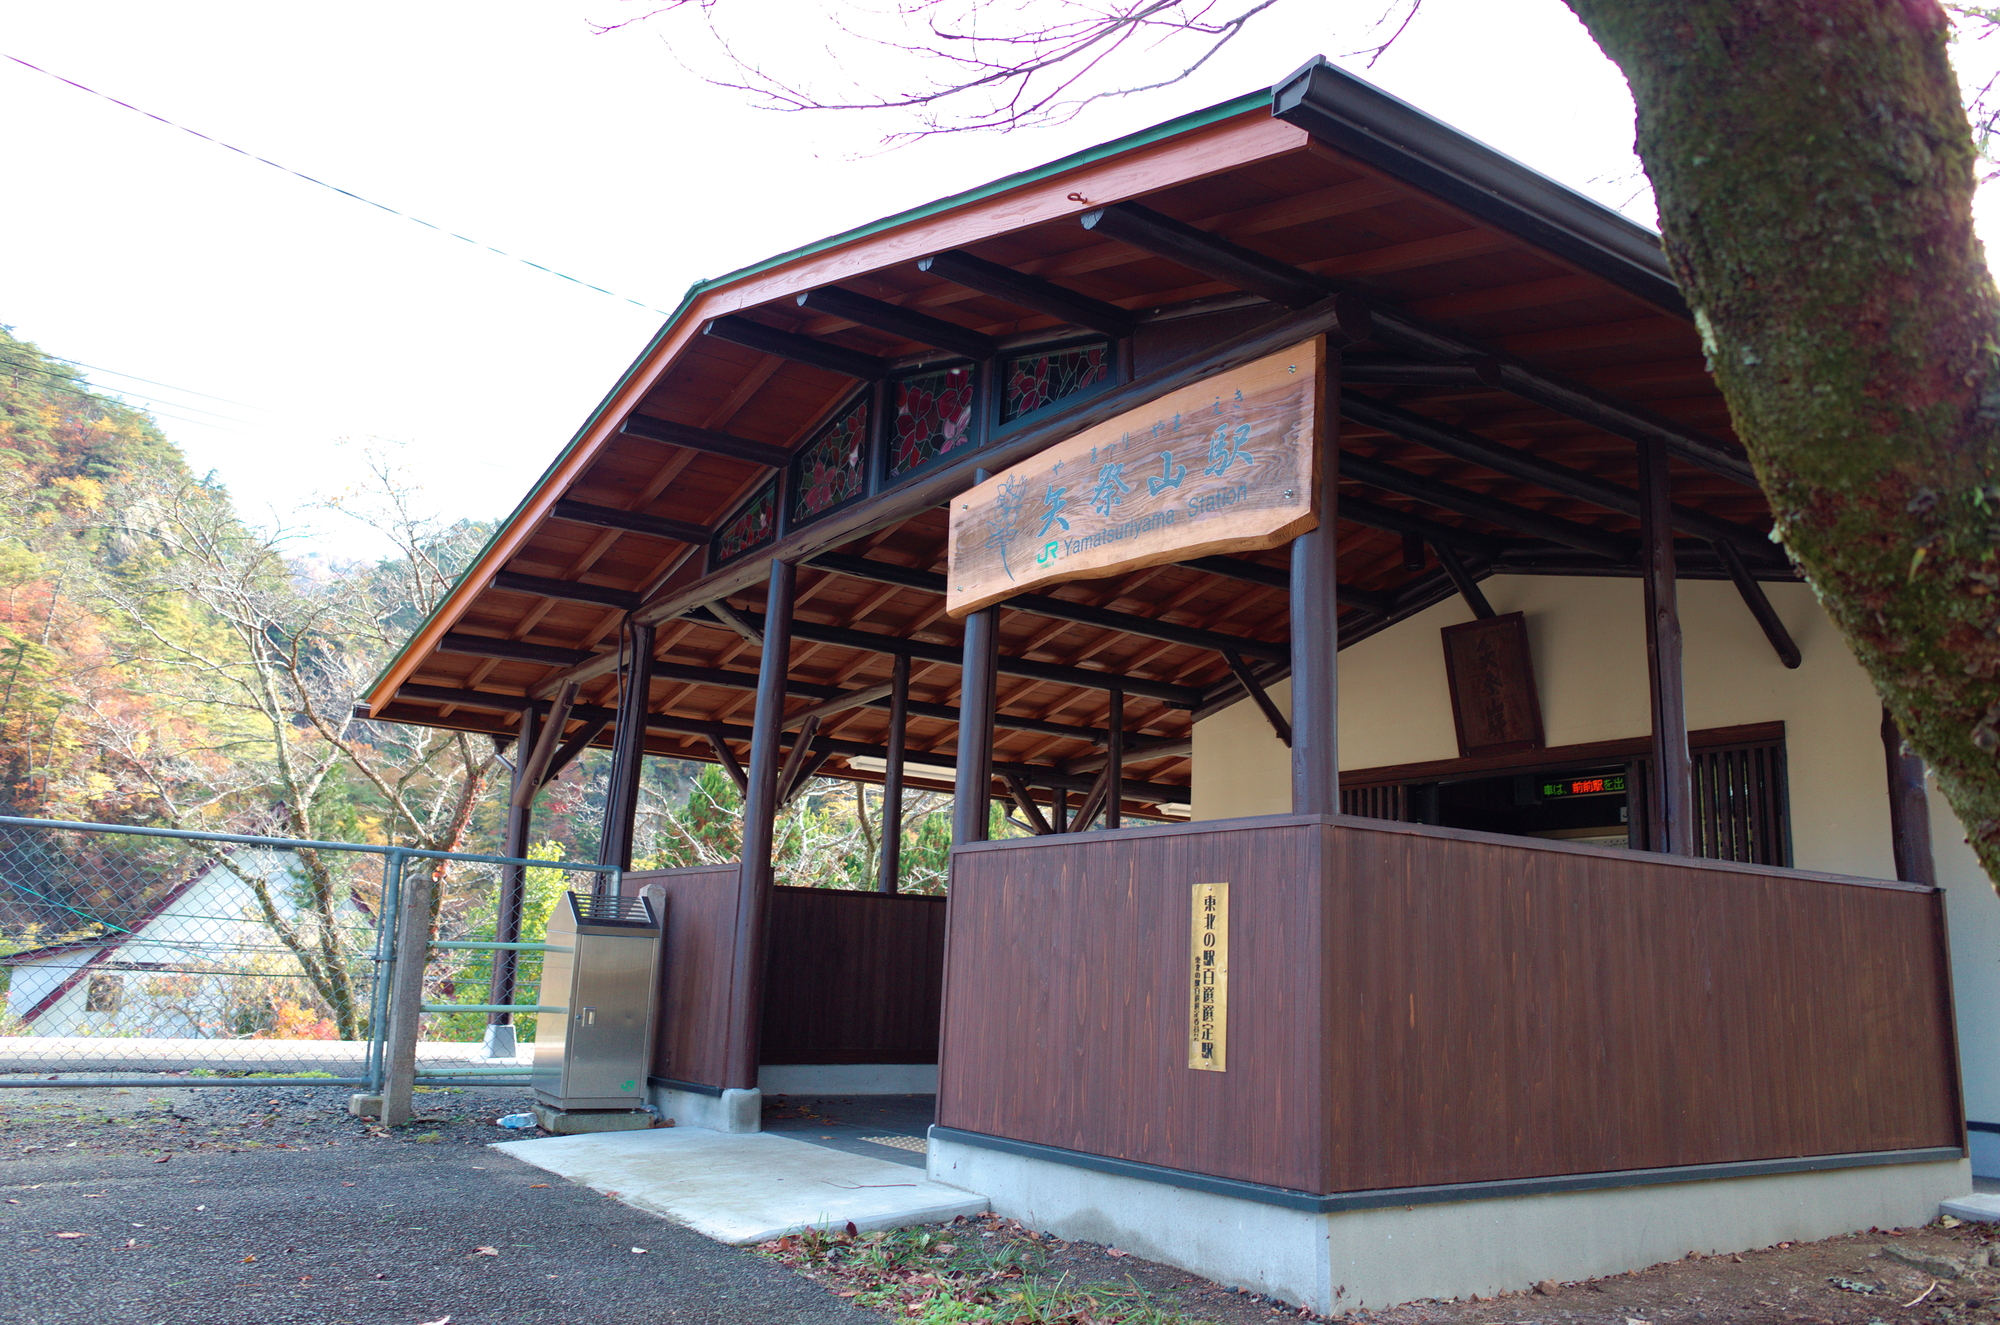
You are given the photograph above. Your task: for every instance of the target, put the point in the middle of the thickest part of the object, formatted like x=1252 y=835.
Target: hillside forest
x=166 y=662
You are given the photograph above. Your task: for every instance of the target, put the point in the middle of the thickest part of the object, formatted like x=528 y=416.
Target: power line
x=335 y=187
x=100 y=398
x=186 y=390
x=113 y=393
x=18 y=366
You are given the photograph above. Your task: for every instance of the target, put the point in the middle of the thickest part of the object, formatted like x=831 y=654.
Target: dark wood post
x=628 y=748
x=972 y=788
x=1316 y=624
x=760 y=808
x=513 y=878
x=890 y=876
x=1909 y=807
x=1114 y=756
x=1670 y=791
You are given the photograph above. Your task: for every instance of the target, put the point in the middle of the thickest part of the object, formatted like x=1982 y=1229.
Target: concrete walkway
x=745 y=1188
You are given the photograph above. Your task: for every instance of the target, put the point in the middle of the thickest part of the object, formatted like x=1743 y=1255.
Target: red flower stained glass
x=1046 y=376
x=833 y=467
x=754 y=524
x=933 y=417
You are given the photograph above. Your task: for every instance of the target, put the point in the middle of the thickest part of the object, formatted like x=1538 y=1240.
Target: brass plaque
x=1208 y=1004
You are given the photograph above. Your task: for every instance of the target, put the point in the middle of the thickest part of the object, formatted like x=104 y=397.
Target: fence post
x=406 y=993
x=385 y=966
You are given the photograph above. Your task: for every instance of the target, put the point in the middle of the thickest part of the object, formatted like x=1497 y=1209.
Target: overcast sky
x=293 y=326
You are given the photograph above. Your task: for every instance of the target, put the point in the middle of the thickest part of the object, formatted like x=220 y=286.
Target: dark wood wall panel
x=1067 y=988
x=1508 y=1013
x=689 y=1029
x=854 y=977
x=1413 y=1005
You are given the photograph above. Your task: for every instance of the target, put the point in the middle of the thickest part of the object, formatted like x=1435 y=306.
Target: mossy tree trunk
x=1814 y=172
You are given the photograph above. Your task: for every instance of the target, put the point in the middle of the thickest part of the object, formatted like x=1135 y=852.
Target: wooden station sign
x=1225 y=465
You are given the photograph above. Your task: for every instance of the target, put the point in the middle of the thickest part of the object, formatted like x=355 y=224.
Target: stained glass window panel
x=754 y=524
x=1043 y=377
x=832 y=468
x=933 y=417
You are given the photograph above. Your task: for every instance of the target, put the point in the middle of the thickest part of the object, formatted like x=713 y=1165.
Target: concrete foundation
x=499 y=1042
x=848 y=1078
x=747 y=1189
x=1378 y=1257
x=727 y=1111
x=584 y=1122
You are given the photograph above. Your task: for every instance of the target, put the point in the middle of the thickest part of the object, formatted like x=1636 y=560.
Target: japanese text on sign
x=1224 y=465
x=1208 y=1006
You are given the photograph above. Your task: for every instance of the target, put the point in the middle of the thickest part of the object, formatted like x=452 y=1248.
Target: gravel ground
x=269 y=1206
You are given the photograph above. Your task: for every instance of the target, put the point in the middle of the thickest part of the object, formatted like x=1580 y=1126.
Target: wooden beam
x=745 y=1016
x=973 y=785
x=532 y=762
x=706 y=440
x=1165 y=691
x=513 y=889
x=1909 y=807
x=1760 y=605
x=1057 y=609
x=1024 y=291
x=569 y=750
x=904 y=322
x=1211 y=255
x=1489 y=510
x=1462 y=580
x=1136 y=752
x=634 y=522
x=566 y=591
x=799 y=349
x=814 y=758
x=736 y=621
x=1259 y=696
x=1114 y=762
x=628 y=748
x=511 y=650
x=1392 y=521
x=1024 y=798
x=889 y=871
x=841 y=703
x=1383 y=370
x=1670 y=793
x=727 y=758
x=1525 y=465
x=1316 y=627
x=788 y=775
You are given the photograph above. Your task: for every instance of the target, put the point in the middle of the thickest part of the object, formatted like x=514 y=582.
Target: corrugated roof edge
x=1390 y=134
x=1182 y=124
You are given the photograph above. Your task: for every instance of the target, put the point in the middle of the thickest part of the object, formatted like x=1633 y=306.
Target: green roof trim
x=1258 y=100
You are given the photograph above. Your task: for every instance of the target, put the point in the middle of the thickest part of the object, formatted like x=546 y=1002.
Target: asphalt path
x=411 y=1228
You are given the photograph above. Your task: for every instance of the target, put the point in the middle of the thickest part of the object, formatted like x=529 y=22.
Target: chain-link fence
x=154 y=956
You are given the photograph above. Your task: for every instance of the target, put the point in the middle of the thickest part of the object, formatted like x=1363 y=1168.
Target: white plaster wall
x=1973 y=912
x=1588 y=640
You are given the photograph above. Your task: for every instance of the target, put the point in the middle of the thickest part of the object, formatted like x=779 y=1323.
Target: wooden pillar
x=1114 y=755
x=972 y=788
x=1059 y=809
x=628 y=749
x=513 y=878
x=1316 y=624
x=890 y=875
x=1670 y=790
x=760 y=808
x=1909 y=807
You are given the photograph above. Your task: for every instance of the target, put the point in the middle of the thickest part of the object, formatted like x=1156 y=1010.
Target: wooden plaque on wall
x=1225 y=465
x=1492 y=679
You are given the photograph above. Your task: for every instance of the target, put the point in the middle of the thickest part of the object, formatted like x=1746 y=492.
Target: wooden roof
x=1522 y=338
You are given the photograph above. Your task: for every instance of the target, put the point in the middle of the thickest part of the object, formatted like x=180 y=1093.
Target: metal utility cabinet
x=599 y=968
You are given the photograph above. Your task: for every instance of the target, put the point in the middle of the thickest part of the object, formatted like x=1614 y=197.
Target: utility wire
x=112 y=392
x=335 y=187
x=184 y=390
x=102 y=398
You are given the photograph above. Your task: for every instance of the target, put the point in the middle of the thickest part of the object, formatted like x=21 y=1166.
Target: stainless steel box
x=602 y=955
